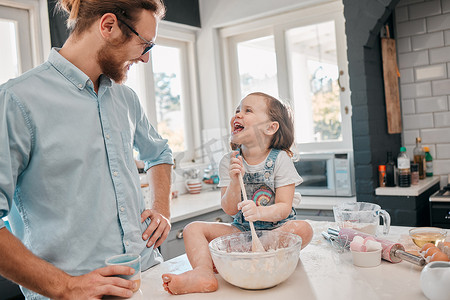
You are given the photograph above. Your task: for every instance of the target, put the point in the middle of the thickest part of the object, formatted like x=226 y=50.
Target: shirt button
x=89 y=82
x=115 y=173
x=107 y=136
x=80 y=85
x=122 y=209
x=127 y=243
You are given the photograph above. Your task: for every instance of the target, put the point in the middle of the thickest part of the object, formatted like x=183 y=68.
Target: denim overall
x=260 y=187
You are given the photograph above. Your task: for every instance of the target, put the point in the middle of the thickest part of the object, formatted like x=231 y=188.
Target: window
x=299 y=57
x=167 y=90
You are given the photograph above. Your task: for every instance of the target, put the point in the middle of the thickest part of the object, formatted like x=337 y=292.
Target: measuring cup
x=361 y=216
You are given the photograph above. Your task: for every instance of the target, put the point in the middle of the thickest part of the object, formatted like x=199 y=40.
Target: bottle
x=404 y=171
x=428 y=162
x=390 y=170
x=382 y=175
x=419 y=158
x=414 y=173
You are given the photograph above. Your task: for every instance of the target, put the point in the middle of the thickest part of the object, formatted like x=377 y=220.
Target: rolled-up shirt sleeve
x=153 y=149
x=15 y=147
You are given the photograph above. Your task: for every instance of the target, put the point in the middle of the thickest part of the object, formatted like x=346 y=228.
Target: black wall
x=371 y=141
x=179 y=11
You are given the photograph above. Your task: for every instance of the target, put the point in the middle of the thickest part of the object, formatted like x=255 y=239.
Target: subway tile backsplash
x=423 y=49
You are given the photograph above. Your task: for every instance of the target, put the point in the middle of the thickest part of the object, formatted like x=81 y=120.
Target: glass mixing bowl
x=423 y=235
x=237 y=264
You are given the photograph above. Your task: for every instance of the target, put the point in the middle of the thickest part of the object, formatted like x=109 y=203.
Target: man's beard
x=111 y=64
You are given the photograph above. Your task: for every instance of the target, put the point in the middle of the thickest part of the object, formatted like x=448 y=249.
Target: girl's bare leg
x=200 y=279
x=300 y=228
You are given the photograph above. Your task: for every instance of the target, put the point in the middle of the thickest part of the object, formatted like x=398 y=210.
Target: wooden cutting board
x=391 y=89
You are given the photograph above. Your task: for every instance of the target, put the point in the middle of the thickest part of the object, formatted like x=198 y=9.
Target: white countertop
x=188 y=206
x=322 y=273
x=413 y=190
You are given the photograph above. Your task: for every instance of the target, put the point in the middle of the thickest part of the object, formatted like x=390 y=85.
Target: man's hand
x=249 y=210
x=100 y=282
x=158 y=229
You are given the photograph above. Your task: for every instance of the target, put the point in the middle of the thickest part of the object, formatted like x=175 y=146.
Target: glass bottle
x=414 y=174
x=390 y=170
x=404 y=169
x=382 y=175
x=419 y=158
x=428 y=162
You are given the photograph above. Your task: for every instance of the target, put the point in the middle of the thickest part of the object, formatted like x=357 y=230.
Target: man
x=68 y=180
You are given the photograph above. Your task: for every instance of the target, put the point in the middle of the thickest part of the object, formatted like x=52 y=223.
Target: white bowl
x=237 y=264
x=366 y=259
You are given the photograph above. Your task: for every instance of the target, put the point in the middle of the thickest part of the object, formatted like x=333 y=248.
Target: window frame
x=277 y=26
x=39 y=27
x=183 y=37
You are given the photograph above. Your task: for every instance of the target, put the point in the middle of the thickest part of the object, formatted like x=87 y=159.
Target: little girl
x=263 y=131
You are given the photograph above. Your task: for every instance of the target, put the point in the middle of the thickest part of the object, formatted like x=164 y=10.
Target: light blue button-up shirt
x=68 y=180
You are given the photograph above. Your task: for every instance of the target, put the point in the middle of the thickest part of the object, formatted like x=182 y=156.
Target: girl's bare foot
x=199 y=280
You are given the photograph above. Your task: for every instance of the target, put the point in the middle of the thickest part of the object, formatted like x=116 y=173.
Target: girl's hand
x=236 y=165
x=249 y=210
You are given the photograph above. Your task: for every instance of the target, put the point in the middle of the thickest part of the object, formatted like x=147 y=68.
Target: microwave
x=326 y=174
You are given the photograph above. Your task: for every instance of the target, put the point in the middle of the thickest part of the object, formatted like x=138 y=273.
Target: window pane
x=167 y=74
x=258 y=66
x=8 y=51
x=314 y=70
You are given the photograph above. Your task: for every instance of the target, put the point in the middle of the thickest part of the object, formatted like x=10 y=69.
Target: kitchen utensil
x=237 y=264
x=256 y=243
x=129 y=260
x=434 y=280
x=392 y=252
x=424 y=235
x=194 y=186
x=366 y=259
x=361 y=216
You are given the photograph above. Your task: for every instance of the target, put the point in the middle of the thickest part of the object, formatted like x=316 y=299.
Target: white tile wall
x=442 y=119
x=413 y=90
x=438 y=23
x=407 y=75
x=439 y=55
x=447 y=37
x=445 y=6
x=404 y=44
x=408 y=107
x=427 y=41
x=443 y=151
x=441 y=87
x=418 y=121
x=412 y=59
x=423 y=46
x=431 y=104
x=411 y=28
x=431 y=72
x=425 y=9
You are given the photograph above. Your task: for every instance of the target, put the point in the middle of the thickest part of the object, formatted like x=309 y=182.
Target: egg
x=427 y=246
x=439 y=256
x=430 y=251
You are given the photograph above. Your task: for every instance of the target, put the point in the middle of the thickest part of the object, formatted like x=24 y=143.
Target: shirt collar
x=71 y=72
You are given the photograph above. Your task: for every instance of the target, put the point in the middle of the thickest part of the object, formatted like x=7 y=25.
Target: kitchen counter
x=188 y=205
x=322 y=273
x=413 y=190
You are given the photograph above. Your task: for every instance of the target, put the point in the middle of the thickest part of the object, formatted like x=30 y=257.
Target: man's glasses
x=149 y=44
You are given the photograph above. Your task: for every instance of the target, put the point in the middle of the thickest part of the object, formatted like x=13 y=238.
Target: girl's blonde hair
x=279 y=112
x=83 y=13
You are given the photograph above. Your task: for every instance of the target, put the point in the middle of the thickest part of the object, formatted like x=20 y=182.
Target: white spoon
x=256 y=243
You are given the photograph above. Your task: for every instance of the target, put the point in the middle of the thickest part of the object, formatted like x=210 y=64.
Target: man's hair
x=83 y=13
